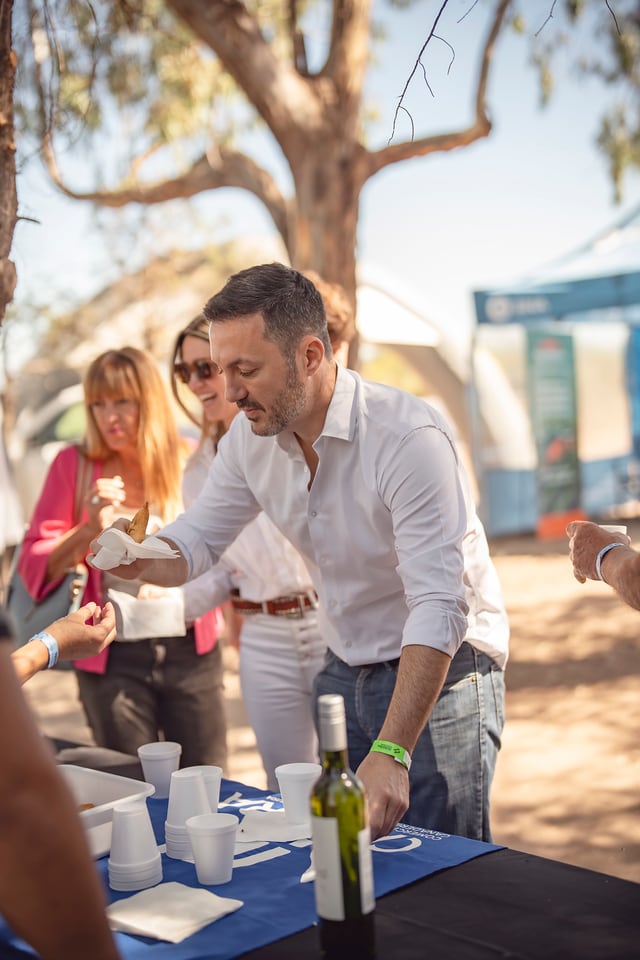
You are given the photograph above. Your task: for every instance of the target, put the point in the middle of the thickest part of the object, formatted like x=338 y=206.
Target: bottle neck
x=335 y=759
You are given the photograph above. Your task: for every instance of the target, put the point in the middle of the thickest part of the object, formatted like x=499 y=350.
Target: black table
x=504 y=904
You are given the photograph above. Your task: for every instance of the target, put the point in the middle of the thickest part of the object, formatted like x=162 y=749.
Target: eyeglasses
x=203 y=369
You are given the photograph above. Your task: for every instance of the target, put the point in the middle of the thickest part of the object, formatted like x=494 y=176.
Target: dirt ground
x=568 y=779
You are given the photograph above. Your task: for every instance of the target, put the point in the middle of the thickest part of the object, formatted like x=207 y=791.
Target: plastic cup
x=159 y=760
x=187 y=797
x=614 y=528
x=213 y=840
x=295 y=781
x=133 y=842
x=212 y=777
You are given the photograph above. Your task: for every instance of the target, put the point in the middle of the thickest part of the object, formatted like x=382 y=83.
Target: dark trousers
x=159 y=689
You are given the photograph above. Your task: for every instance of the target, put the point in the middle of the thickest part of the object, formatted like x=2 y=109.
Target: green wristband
x=393 y=750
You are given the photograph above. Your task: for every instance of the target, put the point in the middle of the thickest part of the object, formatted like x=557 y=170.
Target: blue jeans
x=454 y=760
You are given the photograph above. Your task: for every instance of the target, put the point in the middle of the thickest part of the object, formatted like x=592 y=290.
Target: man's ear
x=313 y=354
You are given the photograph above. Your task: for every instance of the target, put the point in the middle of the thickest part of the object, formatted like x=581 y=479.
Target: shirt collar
x=340 y=421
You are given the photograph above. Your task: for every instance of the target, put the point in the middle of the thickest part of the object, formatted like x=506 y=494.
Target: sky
x=432 y=230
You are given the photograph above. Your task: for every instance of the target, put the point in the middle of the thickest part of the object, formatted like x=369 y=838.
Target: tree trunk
x=8 y=197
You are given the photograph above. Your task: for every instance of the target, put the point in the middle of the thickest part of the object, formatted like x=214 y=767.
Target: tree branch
x=481 y=126
x=219 y=167
x=282 y=97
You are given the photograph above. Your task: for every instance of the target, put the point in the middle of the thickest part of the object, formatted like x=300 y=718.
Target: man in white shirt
x=365 y=481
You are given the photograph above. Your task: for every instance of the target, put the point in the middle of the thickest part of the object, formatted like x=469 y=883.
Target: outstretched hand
x=77 y=638
x=586 y=539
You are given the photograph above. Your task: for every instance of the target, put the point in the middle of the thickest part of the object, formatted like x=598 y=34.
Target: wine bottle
x=344 y=894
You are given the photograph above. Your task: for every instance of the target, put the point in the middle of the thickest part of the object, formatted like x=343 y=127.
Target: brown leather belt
x=293 y=605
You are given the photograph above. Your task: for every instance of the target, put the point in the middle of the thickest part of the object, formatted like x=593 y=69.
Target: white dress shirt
x=383 y=528
x=261 y=563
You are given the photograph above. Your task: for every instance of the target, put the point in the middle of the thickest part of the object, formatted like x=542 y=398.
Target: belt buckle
x=297 y=612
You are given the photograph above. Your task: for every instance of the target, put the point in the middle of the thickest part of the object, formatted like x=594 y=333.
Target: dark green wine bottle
x=345 y=900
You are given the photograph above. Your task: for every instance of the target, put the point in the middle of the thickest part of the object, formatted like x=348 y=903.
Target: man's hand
x=586 y=540
x=171 y=572
x=77 y=638
x=386 y=784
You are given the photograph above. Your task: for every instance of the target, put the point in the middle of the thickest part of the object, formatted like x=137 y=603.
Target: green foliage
x=95 y=64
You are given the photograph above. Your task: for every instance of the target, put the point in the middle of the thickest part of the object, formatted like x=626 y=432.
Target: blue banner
x=554 y=300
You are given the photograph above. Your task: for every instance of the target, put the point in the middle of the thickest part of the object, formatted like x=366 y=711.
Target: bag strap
x=83 y=482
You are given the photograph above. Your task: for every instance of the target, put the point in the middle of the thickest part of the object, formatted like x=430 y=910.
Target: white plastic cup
x=187 y=796
x=133 y=842
x=295 y=781
x=614 y=528
x=159 y=759
x=212 y=777
x=213 y=840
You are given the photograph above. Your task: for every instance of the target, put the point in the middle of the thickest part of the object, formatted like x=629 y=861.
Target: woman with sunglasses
x=162 y=675
x=281 y=645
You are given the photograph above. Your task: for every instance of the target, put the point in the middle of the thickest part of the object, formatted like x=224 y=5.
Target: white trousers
x=279 y=657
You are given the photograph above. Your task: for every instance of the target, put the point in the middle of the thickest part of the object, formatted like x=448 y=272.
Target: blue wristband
x=51 y=644
x=602 y=555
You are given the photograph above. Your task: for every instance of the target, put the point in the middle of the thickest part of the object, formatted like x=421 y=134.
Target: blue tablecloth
x=276 y=904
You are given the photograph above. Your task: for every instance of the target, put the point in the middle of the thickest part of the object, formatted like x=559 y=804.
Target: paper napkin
x=118 y=547
x=171 y=911
x=270 y=825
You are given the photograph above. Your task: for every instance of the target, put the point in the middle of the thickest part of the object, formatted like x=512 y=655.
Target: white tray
x=104 y=790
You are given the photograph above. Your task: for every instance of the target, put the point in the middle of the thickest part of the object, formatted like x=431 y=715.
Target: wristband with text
x=50 y=643
x=602 y=555
x=393 y=750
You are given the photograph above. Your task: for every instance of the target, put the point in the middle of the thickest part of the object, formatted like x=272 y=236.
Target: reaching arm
x=620 y=566
x=50 y=891
x=76 y=639
x=421 y=674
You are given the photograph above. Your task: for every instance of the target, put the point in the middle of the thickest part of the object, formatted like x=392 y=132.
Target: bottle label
x=326 y=861
x=367 y=896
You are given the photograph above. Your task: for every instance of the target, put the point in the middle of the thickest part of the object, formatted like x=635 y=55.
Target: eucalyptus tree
x=181 y=97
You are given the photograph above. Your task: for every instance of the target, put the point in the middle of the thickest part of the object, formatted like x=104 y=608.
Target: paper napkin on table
x=270 y=825
x=118 y=547
x=170 y=911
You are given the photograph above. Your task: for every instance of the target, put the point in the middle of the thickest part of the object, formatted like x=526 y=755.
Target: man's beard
x=288 y=406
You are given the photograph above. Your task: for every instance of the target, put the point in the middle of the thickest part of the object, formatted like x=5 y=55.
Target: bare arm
x=421 y=674
x=620 y=567
x=76 y=639
x=50 y=892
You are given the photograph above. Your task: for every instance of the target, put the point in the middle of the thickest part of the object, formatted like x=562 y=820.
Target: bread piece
x=137 y=529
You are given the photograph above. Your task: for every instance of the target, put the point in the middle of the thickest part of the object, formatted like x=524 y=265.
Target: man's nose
x=234 y=389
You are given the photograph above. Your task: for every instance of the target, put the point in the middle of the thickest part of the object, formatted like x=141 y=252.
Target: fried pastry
x=137 y=529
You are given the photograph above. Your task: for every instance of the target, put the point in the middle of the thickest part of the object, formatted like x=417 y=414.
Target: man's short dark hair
x=289 y=303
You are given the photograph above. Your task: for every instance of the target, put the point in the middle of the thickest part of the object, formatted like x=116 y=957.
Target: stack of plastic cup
x=213 y=840
x=212 y=779
x=159 y=759
x=187 y=798
x=134 y=860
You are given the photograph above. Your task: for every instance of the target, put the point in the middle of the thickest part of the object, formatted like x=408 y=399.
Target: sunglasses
x=203 y=369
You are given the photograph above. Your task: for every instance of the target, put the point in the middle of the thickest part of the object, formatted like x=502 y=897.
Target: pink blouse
x=52 y=518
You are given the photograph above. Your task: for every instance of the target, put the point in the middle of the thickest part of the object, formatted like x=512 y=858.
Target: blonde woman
x=281 y=644
x=162 y=676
